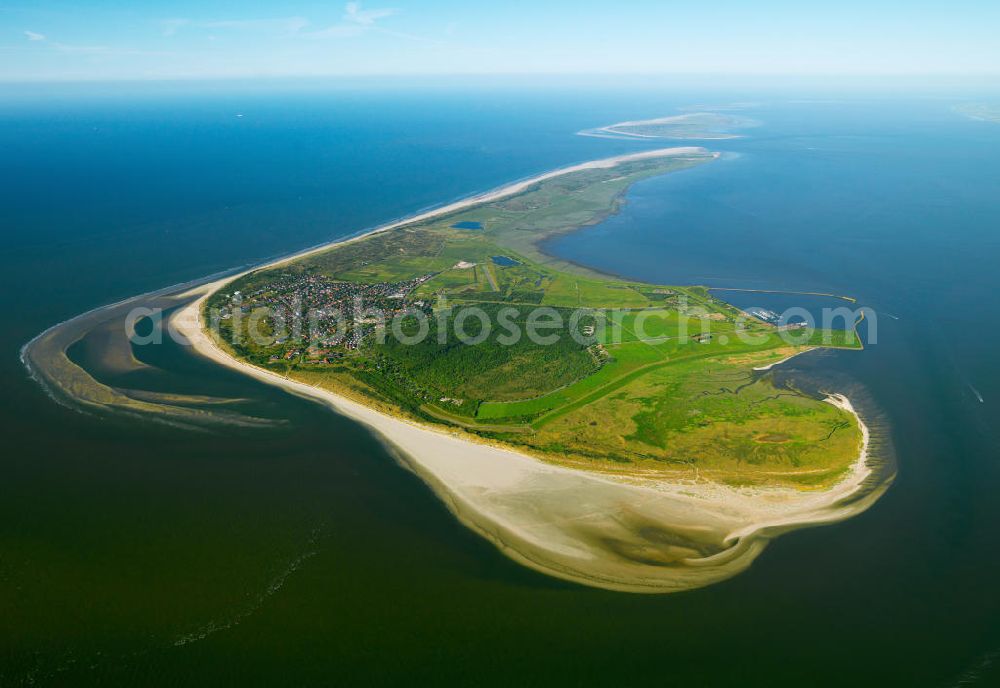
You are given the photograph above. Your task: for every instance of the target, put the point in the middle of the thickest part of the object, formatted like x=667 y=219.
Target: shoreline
x=763 y=368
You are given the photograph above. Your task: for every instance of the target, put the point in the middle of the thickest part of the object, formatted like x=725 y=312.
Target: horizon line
x=189 y=78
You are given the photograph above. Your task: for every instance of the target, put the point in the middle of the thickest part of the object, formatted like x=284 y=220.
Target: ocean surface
x=296 y=551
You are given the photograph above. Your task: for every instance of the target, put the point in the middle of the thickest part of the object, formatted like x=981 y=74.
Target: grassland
x=656 y=379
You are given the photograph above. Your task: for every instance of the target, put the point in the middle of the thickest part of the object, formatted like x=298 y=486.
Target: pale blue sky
x=130 y=39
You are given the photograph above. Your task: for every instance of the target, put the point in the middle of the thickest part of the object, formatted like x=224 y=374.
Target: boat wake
x=977 y=393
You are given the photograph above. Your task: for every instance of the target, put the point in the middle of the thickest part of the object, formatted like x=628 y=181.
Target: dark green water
x=299 y=553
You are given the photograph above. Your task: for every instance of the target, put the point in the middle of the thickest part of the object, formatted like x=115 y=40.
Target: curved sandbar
x=689 y=125
x=623 y=533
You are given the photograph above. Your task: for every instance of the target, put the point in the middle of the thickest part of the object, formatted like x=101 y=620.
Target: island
x=642 y=446
x=629 y=436
x=709 y=125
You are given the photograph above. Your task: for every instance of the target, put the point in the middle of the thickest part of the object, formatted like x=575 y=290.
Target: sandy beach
x=763 y=368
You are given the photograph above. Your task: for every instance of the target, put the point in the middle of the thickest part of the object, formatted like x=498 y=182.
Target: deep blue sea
x=301 y=553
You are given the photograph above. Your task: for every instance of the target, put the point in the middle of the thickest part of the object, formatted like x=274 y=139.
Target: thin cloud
x=36 y=37
x=355 y=22
x=70 y=49
x=355 y=14
x=95 y=50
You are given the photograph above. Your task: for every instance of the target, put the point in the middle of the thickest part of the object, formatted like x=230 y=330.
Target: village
x=316 y=319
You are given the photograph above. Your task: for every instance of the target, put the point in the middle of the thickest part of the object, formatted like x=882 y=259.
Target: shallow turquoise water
x=300 y=553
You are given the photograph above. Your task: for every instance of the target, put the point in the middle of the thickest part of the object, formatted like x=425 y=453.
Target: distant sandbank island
x=980 y=111
x=714 y=125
